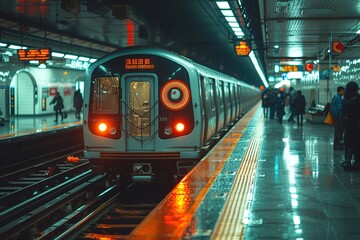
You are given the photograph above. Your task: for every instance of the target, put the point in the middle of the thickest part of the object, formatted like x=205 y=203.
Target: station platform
x=18 y=126
x=264 y=180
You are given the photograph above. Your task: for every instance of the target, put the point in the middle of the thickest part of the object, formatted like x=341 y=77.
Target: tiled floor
x=301 y=192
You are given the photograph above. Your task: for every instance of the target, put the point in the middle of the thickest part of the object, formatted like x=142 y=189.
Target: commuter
x=300 y=104
x=58 y=106
x=280 y=104
x=351 y=116
x=272 y=103
x=292 y=98
x=78 y=103
x=336 y=112
x=265 y=102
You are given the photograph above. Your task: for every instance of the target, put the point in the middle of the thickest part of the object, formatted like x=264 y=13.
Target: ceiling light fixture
x=223 y=4
x=69 y=56
x=3 y=44
x=258 y=69
x=227 y=13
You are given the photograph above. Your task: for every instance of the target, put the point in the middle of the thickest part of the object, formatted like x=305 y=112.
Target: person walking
x=336 y=112
x=300 y=104
x=78 y=103
x=58 y=106
x=351 y=116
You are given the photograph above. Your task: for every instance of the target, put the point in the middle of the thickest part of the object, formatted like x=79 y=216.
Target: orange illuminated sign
x=289 y=68
x=34 y=54
x=138 y=63
x=243 y=49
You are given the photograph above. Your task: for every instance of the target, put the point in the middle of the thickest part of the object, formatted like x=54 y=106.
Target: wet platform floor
x=301 y=192
x=297 y=189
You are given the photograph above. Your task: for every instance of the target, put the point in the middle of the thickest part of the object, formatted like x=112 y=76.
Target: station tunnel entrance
x=22 y=94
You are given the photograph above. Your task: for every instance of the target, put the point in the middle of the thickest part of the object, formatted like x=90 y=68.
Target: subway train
x=151 y=113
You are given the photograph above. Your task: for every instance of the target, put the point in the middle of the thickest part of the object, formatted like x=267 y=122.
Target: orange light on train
x=102 y=127
x=180 y=127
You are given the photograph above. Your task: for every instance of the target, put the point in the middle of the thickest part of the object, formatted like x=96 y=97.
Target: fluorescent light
x=84 y=59
x=93 y=60
x=258 y=69
x=57 y=54
x=236 y=29
x=227 y=13
x=358 y=31
x=223 y=4
x=34 y=61
x=230 y=19
x=3 y=44
x=15 y=47
x=69 y=56
x=239 y=33
x=234 y=24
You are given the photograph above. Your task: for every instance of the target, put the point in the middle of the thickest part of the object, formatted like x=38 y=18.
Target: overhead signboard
x=243 y=48
x=337 y=47
x=34 y=54
x=291 y=68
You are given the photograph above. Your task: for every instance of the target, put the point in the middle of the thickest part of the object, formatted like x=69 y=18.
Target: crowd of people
x=58 y=103
x=344 y=109
x=277 y=104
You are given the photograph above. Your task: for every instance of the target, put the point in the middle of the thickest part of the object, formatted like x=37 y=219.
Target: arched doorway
x=22 y=94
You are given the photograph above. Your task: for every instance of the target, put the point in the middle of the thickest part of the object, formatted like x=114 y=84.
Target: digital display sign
x=243 y=49
x=34 y=54
x=139 y=63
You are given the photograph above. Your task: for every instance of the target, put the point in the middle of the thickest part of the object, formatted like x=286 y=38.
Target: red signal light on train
x=102 y=127
x=179 y=127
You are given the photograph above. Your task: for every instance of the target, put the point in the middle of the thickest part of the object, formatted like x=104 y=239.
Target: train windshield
x=106 y=95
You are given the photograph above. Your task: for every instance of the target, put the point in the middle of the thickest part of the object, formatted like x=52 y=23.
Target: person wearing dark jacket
x=351 y=116
x=300 y=104
x=78 y=102
x=58 y=106
x=280 y=105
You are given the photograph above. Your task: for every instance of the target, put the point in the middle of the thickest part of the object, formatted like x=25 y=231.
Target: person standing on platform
x=280 y=104
x=292 y=97
x=78 y=103
x=58 y=106
x=300 y=104
x=351 y=116
x=336 y=112
x=265 y=97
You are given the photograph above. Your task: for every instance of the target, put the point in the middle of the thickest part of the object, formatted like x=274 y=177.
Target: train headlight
x=168 y=130
x=175 y=95
x=179 y=127
x=102 y=127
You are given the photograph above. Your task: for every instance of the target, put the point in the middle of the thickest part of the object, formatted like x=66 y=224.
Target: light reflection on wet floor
x=301 y=192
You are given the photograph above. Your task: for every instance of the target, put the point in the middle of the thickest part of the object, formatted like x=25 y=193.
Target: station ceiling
x=197 y=29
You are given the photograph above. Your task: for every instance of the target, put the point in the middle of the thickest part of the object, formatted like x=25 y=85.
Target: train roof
x=169 y=55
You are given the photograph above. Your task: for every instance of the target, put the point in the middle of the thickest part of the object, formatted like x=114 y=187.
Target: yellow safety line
x=148 y=228
x=230 y=225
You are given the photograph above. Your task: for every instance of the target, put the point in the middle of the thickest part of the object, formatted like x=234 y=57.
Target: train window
x=220 y=92
x=211 y=93
x=105 y=99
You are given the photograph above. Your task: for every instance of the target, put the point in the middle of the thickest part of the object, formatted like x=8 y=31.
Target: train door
x=140 y=109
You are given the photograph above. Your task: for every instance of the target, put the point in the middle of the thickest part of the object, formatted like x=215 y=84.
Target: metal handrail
x=141 y=116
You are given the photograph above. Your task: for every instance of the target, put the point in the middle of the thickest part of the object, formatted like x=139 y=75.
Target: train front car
x=140 y=114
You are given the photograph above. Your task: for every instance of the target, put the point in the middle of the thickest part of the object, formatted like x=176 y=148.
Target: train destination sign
x=139 y=63
x=34 y=54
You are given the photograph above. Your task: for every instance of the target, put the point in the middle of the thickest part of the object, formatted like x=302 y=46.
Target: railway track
x=71 y=203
